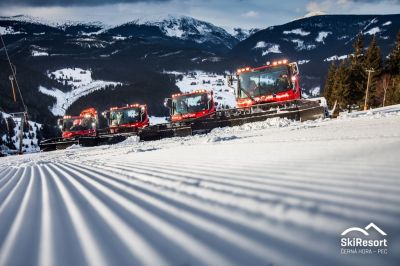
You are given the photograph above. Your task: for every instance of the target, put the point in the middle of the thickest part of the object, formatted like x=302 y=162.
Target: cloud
x=326 y=5
x=250 y=14
x=329 y=5
x=225 y=13
x=372 y=1
x=66 y=3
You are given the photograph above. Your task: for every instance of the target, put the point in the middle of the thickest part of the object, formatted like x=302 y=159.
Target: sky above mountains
x=225 y=13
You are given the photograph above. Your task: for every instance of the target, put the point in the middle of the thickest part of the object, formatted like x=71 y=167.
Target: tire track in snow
x=271 y=237
x=89 y=246
x=46 y=240
x=232 y=236
x=21 y=227
x=387 y=176
x=8 y=191
x=258 y=193
x=191 y=246
x=183 y=219
x=4 y=173
x=7 y=179
x=257 y=178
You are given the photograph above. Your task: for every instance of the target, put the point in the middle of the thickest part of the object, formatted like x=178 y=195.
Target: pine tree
x=373 y=57
x=341 y=90
x=393 y=64
x=358 y=45
x=356 y=73
x=329 y=84
x=373 y=60
x=356 y=76
x=393 y=70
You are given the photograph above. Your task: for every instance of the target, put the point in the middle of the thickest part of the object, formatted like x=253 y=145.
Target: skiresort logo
x=365 y=244
x=365 y=232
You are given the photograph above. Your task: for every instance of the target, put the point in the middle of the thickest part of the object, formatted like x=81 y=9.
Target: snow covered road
x=268 y=193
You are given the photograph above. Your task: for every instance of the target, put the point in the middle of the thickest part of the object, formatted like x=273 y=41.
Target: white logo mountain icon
x=364 y=230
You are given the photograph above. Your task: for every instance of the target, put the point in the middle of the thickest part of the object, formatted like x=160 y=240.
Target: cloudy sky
x=225 y=13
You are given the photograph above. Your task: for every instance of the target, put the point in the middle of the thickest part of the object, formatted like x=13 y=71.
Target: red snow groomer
x=83 y=125
x=274 y=82
x=73 y=128
x=129 y=118
x=123 y=122
x=190 y=106
x=185 y=109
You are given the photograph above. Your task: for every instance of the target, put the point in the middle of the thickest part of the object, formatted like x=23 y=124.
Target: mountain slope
x=243 y=34
x=315 y=41
x=183 y=28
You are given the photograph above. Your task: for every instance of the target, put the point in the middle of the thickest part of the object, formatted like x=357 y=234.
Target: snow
x=387 y=23
x=271 y=48
x=170 y=54
x=373 y=31
x=174 y=31
x=335 y=57
x=119 y=38
x=81 y=82
x=39 y=53
x=315 y=91
x=8 y=30
x=55 y=22
x=301 y=62
x=268 y=193
x=240 y=33
x=154 y=120
x=301 y=46
x=261 y=45
x=194 y=80
x=188 y=28
x=373 y=113
x=89 y=43
x=297 y=31
x=322 y=35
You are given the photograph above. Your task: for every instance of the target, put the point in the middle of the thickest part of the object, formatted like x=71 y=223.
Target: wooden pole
x=13 y=89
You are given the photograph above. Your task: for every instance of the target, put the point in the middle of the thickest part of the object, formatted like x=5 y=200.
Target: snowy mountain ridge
x=177 y=26
x=59 y=23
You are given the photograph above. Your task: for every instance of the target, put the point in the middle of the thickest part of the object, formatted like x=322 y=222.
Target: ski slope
x=81 y=82
x=268 y=193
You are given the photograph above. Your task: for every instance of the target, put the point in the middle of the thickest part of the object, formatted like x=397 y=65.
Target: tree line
x=346 y=83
